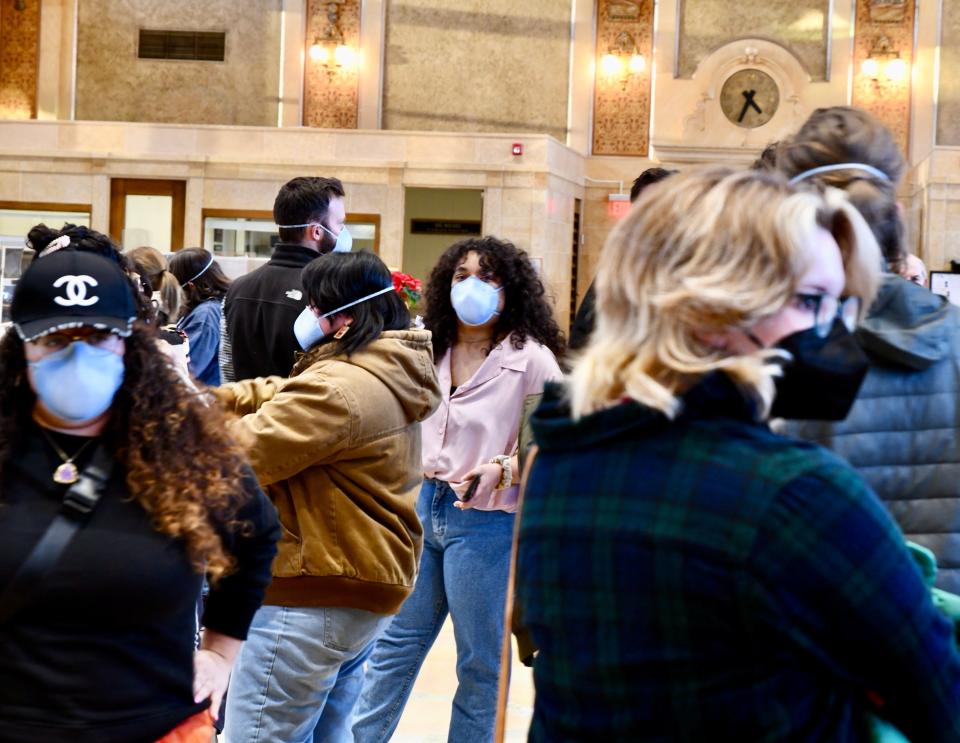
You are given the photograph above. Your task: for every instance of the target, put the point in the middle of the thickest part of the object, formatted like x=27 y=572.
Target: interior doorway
x=434 y=219
x=148 y=212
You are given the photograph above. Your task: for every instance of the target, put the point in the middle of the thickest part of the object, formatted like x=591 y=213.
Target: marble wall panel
x=477 y=66
x=802 y=26
x=887 y=99
x=331 y=93
x=114 y=85
x=19 y=59
x=621 y=105
x=948 y=106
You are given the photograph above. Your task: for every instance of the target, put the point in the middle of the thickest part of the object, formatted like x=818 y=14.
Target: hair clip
x=54 y=245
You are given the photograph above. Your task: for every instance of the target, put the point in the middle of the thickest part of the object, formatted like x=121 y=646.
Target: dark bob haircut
x=336 y=279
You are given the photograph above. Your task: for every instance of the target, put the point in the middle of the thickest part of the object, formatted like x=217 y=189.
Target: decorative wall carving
x=19 y=60
x=621 y=108
x=331 y=96
x=888 y=100
x=704 y=123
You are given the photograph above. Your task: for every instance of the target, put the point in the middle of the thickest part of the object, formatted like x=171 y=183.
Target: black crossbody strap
x=78 y=503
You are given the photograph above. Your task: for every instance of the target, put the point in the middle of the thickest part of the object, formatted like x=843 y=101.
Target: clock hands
x=748 y=102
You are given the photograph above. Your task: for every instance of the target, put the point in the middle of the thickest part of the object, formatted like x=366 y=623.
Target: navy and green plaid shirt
x=705 y=579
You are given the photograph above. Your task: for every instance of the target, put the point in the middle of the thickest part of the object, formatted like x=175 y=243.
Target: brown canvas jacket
x=337 y=449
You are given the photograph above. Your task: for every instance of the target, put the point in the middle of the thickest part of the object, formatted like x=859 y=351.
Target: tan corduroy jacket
x=337 y=448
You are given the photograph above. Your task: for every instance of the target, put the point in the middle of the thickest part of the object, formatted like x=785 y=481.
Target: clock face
x=749 y=98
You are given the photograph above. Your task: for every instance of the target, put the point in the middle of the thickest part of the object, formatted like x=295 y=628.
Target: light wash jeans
x=463 y=570
x=299 y=674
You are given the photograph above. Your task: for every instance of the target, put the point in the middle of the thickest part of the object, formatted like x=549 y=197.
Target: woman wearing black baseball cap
x=119 y=490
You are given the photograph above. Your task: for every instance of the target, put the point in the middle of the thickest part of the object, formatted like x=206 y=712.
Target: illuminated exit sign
x=618 y=204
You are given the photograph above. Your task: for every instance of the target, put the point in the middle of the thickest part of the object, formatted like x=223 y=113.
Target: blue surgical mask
x=344 y=240
x=78 y=383
x=307 y=326
x=475 y=301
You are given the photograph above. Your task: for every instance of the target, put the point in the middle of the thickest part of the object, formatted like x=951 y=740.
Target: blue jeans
x=299 y=674
x=463 y=570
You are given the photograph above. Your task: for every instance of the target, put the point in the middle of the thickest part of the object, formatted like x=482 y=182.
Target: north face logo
x=295 y=294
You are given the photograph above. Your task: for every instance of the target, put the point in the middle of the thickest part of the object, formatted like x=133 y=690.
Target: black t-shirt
x=103 y=651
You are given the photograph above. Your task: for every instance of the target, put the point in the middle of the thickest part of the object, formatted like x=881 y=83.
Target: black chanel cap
x=70 y=289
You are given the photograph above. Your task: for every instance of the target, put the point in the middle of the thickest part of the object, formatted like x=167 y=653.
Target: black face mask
x=824 y=377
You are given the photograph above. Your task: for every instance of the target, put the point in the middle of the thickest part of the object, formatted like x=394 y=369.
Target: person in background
x=495 y=342
x=99 y=648
x=164 y=289
x=914 y=270
x=688 y=574
x=204 y=285
x=262 y=306
x=583 y=322
x=903 y=432
x=337 y=446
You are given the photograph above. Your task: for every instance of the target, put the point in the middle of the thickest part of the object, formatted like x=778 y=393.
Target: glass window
x=254 y=237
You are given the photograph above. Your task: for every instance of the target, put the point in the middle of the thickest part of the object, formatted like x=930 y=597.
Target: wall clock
x=749 y=98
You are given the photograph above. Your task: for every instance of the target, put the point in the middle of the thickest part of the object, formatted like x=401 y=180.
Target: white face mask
x=475 y=301
x=344 y=238
x=307 y=326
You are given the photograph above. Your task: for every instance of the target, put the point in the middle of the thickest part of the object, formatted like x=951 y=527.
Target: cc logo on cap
x=76 y=290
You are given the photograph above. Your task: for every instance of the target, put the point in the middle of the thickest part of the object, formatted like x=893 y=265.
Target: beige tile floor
x=427 y=714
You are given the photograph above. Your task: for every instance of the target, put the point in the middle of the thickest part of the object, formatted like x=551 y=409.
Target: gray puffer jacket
x=903 y=432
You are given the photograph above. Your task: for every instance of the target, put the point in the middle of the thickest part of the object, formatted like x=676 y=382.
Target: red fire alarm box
x=517 y=149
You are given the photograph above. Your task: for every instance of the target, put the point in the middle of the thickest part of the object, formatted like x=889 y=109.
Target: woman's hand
x=211 y=672
x=490 y=475
x=212 y=664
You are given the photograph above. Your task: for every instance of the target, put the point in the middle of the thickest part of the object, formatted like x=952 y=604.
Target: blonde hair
x=151 y=262
x=705 y=252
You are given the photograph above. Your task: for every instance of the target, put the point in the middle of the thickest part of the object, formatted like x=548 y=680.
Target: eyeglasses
x=53 y=342
x=827 y=308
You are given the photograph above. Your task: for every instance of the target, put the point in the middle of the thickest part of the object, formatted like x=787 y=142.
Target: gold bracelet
x=506 y=465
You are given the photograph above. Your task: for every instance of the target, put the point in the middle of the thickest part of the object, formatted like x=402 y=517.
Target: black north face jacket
x=259 y=313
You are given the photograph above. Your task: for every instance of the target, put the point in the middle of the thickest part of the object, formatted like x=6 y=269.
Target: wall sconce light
x=884 y=60
x=328 y=49
x=623 y=61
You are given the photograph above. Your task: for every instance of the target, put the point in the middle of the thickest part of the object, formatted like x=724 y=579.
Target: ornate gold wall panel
x=888 y=100
x=621 y=107
x=331 y=97
x=477 y=66
x=114 y=85
x=19 y=61
x=802 y=26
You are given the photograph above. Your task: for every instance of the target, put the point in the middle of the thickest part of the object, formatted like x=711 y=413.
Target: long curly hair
x=181 y=464
x=526 y=311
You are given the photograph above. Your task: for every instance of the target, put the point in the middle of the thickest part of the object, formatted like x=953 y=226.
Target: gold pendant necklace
x=66 y=473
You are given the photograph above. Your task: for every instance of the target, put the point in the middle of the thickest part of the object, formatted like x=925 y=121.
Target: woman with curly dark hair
x=120 y=489
x=495 y=344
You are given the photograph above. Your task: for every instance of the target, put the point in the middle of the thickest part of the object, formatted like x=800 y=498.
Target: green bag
x=949 y=603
